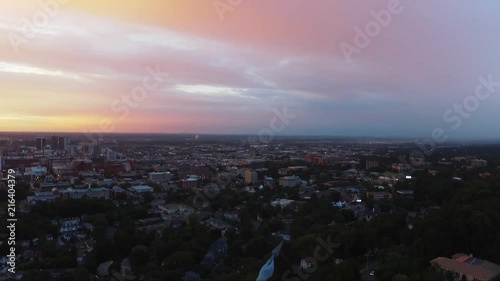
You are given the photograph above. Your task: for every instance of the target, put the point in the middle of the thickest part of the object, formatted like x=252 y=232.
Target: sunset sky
x=225 y=72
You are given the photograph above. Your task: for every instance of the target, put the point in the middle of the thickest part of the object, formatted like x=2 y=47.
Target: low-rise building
x=36 y=171
x=290 y=181
x=189 y=183
x=137 y=189
x=478 y=163
x=160 y=177
x=100 y=192
x=282 y=202
x=250 y=177
x=376 y=196
x=405 y=193
x=42 y=197
x=467 y=267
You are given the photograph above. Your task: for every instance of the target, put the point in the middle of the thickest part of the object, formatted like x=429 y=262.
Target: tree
x=44 y=275
x=91 y=263
x=385 y=205
x=148 y=197
x=100 y=228
x=81 y=274
x=394 y=262
x=49 y=249
x=105 y=250
x=257 y=247
x=159 y=249
x=400 y=277
x=124 y=239
x=347 y=270
x=182 y=260
x=139 y=257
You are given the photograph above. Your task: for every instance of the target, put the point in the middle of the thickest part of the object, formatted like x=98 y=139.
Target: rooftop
x=142 y=187
x=468 y=265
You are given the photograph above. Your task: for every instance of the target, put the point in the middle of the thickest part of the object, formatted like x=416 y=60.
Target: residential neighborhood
x=126 y=209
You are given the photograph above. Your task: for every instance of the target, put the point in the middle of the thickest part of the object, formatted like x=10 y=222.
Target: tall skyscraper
x=95 y=149
x=41 y=142
x=63 y=143
x=54 y=142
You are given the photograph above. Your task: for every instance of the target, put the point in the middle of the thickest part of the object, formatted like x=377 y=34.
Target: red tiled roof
x=460 y=257
x=479 y=272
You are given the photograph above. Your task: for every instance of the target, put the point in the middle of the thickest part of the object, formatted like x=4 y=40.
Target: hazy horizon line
x=409 y=138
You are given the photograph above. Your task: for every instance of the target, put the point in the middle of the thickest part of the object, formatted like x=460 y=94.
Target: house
x=141 y=189
x=217 y=224
x=282 y=202
x=339 y=204
x=117 y=190
x=291 y=181
x=405 y=193
x=467 y=267
x=484 y=175
x=179 y=208
x=379 y=195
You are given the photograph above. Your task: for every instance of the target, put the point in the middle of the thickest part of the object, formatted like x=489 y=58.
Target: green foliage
x=257 y=247
x=72 y=207
x=180 y=260
x=392 y=262
x=139 y=257
x=465 y=222
x=401 y=277
x=49 y=249
x=37 y=275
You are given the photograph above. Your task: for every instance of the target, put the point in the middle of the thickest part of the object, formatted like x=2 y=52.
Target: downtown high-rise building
x=54 y=142
x=63 y=143
x=41 y=142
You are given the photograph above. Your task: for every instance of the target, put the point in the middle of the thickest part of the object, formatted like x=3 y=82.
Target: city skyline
x=212 y=67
